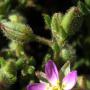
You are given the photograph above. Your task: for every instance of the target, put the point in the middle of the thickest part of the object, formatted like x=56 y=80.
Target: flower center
x=52 y=87
x=56 y=88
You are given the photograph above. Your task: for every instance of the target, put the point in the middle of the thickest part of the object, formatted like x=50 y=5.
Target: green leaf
x=55 y=23
x=47 y=20
x=72 y=20
x=57 y=31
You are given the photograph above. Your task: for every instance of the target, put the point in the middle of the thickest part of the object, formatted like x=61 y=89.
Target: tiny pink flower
x=54 y=83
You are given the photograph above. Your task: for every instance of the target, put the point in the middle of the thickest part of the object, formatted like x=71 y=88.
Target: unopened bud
x=17 y=31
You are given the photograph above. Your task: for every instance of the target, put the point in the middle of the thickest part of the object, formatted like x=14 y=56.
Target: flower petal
x=36 y=86
x=70 y=80
x=51 y=72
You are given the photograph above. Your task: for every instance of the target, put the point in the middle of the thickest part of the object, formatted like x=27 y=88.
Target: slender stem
x=42 y=40
x=50 y=44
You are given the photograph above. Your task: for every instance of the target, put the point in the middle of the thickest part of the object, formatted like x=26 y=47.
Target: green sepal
x=65 y=69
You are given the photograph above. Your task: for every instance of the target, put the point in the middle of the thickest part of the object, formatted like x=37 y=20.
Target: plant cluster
x=68 y=47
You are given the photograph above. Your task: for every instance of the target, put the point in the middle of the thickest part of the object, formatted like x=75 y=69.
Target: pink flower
x=54 y=82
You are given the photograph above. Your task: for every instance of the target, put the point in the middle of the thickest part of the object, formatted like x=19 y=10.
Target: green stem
x=49 y=43
x=42 y=40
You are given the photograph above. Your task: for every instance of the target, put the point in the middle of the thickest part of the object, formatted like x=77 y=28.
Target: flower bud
x=72 y=20
x=17 y=31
